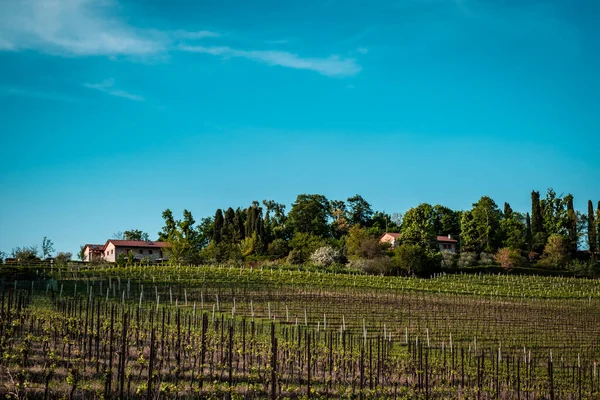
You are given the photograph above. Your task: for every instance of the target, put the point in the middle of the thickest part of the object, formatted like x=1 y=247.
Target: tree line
x=337 y=232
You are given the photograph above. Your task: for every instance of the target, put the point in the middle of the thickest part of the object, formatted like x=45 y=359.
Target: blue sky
x=114 y=110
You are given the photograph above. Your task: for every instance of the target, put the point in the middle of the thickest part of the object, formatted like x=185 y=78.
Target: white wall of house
x=112 y=253
x=447 y=247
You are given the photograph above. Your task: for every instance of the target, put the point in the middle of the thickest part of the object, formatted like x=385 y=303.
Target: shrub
x=486 y=258
x=296 y=257
x=62 y=258
x=449 y=261
x=509 y=258
x=325 y=256
x=467 y=259
x=278 y=248
x=377 y=266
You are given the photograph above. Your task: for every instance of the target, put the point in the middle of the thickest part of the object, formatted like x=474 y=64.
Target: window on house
x=112 y=251
x=141 y=251
x=149 y=251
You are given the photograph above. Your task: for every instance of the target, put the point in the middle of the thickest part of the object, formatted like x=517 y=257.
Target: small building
x=93 y=252
x=447 y=244
x=392 y=238
x=142 y=250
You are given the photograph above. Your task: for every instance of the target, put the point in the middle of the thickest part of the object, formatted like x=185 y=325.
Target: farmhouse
x=445 y=243
x=140 y=249
x=92 y=252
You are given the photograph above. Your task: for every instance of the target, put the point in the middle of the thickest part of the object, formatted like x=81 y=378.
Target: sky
x=112 y=111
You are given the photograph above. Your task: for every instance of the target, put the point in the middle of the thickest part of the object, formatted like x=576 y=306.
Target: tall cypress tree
x=508 y=211
x=598 y=226
x=571 y=225
x=528 y=231
x=537 y=224
x=218 y=226
x=592 y=235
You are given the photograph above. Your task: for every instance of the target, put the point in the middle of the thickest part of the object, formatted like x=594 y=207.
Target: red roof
x=446 y=239
x=137 y=243
x=392 y=234
x=97 y=247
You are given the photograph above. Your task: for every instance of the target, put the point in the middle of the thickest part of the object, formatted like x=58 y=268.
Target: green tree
x=486 y=219
x=47 y=247
x=136 y=234
x=418 y=227
x=571 y=225
x=507 y=211
x=309 y=214
x=591 y=229
x=446 y=221
x=414 y=259
x=360 y=244
x=303 y=245
x=205 y=231
x=514 y=231
x=538 y=235
x=556 y=254
x=62 y=258
x=218 y=226
x=25 y=253
x=169 y=228
x=339 y=215
x=469 y=236
x=275 y=220
x=359 y=211
x=81 y=253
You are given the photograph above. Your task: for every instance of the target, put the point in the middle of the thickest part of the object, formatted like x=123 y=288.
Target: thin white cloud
x=194 y=35
x=78 y=28
x=331 y=66
x=73 y=28
x=107 y=86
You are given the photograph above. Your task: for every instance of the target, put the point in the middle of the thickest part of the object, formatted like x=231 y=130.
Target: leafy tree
x=555 y=253
x=2 y=257
x=169 y=228
x=255 y=225
x=309 y=214
x=469 y=235
x=418 y=227
x=47 y=247
x=25 y=253
x=362 y=245
x=81 y=253
x=119 y=235
x=62 y=258
x=446 y=221
x=509 y=258
x=303 y=245
x=205 y=231
x=275 y=219
x=325 y=256
x=339 y=214
x=486 y=220
x=414 y=259
x=278 y=248
x=514 y=231
x=136 y=234
x=382 y=222
x=359 y=211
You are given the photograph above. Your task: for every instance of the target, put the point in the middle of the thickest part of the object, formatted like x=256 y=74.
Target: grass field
x=227 y=332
